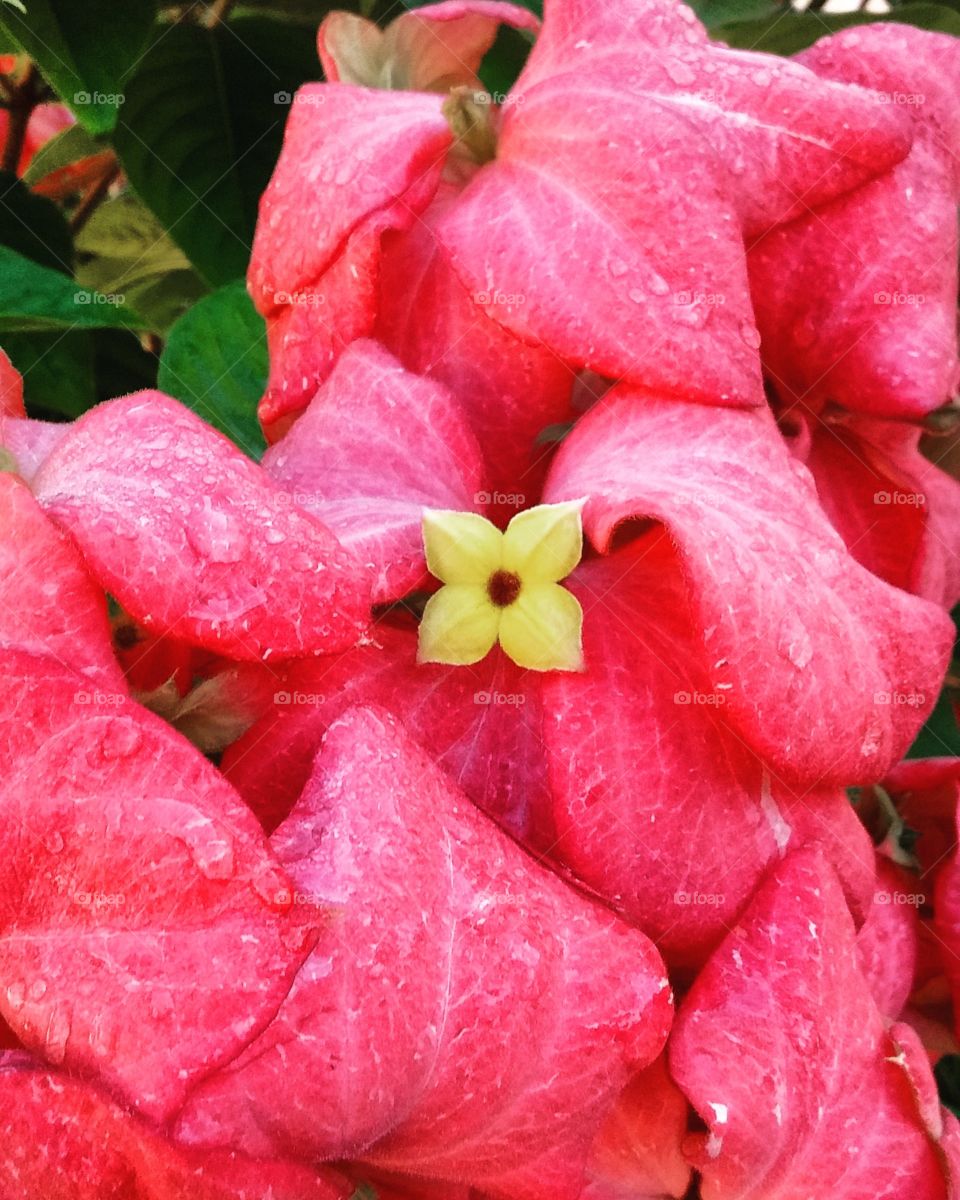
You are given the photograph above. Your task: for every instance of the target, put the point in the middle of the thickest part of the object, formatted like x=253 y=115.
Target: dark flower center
x=503 y=588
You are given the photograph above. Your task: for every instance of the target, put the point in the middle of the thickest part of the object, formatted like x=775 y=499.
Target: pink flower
x=631 y=159
x=857 y=302
x=717 y=645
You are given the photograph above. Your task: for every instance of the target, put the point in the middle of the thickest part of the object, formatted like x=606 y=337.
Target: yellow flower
x=504 y=586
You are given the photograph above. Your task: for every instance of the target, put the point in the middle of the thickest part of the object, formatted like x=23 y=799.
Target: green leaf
x=38 y=298
x=202 y=128
x=57 y=370
x=124 y=251
x=940 y=736
x=947 y=1074
x=215 y=362
x=33 y=226
x=790 y=32
x=84 y=48
x=719 y=12
x=66 y=147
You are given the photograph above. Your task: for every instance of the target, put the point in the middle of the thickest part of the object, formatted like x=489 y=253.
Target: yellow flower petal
x=544 y=544
x=541 y=630
x=461 y=547
x=459 y=626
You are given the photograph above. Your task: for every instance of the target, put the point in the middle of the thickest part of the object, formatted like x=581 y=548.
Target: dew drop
x=38 y=989
x=681 y=73
x=53 y=841
x=794 y=642
x=216 y=535
x=120 y=739
x=16 y=996
x=750 y=334
x=618 y=267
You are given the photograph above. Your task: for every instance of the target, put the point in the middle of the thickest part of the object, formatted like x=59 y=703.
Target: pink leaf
x=857 y=302
x=445 y=946
x=813 y=655
x=142 y=939
x=48 y=603
x=61 y=1138
x=780 y=1047
x=376 y=447
x=194 y=538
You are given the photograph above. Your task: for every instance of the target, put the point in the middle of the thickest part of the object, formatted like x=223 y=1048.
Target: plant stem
x=85 y=209
x=218 y=12
x=22 y=103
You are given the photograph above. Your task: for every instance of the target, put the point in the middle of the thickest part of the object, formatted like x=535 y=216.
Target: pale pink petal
x=813 y=654
x=376 y=446
x=192 y=537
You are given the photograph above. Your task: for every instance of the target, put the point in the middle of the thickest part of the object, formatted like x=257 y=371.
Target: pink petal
x=30 y=442
x=780 y=1047
x=192 y=537
x=482 y=724
x=897 y=512
x=376 y=446
x=509 y=391
x=589 y=297
x=141 y=939
x=812 y=653
x=11 y=389
x=857 y=303
x=445 y=949
x=438 y=46
x=61 y=1138
x=315 y=325
x=658 y=804
x=349 y=154
x=888 y=941
x=49 y=605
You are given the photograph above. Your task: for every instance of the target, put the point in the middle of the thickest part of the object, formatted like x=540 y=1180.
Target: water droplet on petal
x=16 y=996
x=120 y=739
x=794 y=642
x=211 y=848
x=750 y=334
x=216 y=534
x=53 y=841
x=618 y=267
x=658 y=285
x=57 y=1036
x=681 y=73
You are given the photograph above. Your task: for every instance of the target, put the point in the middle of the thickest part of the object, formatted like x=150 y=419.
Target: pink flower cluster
x=284 y=913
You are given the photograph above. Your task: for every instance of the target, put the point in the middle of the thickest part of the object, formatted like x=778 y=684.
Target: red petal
x=60 y=1138
x=48 y=603
x=897 y=512
x=781 y=1048
x=11 y=389
x=192 y=537
x=141 y=939
x=377 y=446
x=448 y=945
x=814 y=655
